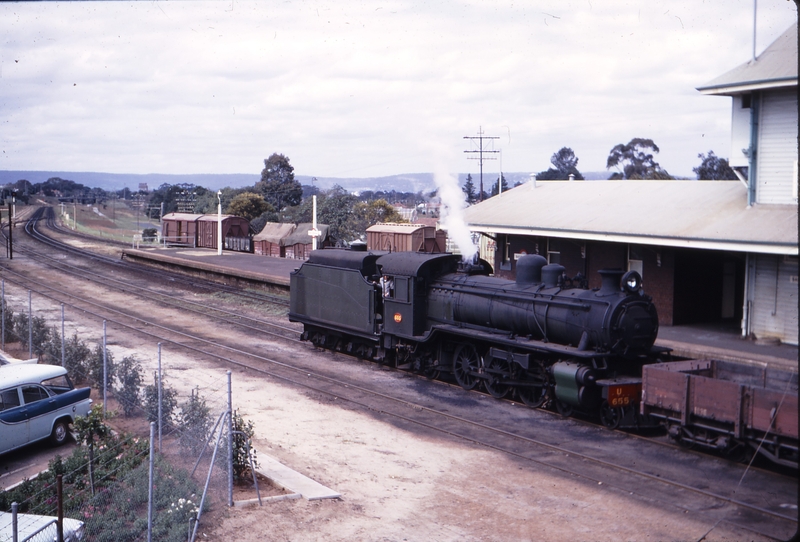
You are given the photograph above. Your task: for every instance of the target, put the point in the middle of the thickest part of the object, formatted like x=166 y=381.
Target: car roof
x=14 y=375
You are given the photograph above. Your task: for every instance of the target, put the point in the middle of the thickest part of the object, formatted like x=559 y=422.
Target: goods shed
x=271 y=241
x=179 y=228
x=298 y=243
x=406 y=238
x=235 y=232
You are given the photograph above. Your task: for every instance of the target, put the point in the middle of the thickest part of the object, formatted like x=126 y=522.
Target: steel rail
x=31 y=230
x=341 y=385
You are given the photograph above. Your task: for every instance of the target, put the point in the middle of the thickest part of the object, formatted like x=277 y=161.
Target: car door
x=13 y=421
x=39 y=407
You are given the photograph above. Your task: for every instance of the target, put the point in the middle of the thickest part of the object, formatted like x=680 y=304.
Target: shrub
x=40 y=333
x=8 y=314
x=129 y=374
x=241 y=463
x=194 y=423
x=149 y=235
x=76 y=359
x=169 y=402
x=95 y=367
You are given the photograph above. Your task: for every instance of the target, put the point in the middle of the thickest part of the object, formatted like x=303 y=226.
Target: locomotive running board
x=519 y=342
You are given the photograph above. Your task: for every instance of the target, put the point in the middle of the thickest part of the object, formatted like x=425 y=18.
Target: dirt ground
x=398 y=485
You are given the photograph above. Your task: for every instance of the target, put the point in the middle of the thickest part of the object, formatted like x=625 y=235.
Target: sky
x=352 y=88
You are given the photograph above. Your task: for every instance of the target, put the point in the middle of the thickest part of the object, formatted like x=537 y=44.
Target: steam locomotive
x=539 y=338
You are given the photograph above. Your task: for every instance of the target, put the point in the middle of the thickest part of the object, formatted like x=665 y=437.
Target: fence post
x=14 y=525
x=63 y=340
x=105 y=371
x=30 y=326
x=159 y=398
x=230 y=442
x=150 y=484
x=60 y=508
x=3 y=347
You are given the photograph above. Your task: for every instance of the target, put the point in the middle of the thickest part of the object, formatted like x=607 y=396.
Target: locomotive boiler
x=538 y=337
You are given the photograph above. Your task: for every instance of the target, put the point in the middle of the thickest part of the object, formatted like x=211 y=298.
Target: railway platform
x=691 y=341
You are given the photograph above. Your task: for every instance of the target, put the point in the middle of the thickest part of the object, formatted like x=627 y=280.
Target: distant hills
x=408 y=182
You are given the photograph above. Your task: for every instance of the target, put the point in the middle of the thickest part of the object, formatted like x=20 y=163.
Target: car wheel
x=60 y=432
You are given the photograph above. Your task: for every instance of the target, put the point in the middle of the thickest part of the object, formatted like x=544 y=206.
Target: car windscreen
x=57 y=385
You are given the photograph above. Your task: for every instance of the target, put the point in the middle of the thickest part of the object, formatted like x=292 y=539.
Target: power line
x=481 y=151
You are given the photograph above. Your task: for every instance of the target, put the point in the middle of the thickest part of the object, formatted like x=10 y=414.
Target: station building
x=710 y=252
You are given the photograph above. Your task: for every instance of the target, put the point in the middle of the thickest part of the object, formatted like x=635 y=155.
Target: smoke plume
x=452 y=213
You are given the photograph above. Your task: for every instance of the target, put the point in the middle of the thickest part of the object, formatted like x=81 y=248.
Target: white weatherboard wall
x=773 y=297
x=777 y=145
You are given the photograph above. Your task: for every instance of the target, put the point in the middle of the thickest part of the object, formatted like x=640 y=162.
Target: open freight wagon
x=738 y=409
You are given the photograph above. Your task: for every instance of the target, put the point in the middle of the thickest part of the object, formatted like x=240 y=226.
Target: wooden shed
x=271 y=241
x=406 y=238
x=235 y=232
x=298 y=243
x=179 y=228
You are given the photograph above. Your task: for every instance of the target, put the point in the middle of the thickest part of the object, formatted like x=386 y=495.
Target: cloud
x=346 y=87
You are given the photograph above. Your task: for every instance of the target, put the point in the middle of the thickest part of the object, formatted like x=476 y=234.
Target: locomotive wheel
x=466 y=362
x=431 y=372
x=610 y=416
x=498 y=370
x=533 y=396
x=563 y=408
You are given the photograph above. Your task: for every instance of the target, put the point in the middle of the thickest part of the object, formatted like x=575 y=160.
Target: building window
x=746 y=101
x=554 y=251
x=636 y=259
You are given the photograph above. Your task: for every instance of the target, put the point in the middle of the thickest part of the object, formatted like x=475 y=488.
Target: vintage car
x=33 y=527
x=7 y=360
x=37 y=402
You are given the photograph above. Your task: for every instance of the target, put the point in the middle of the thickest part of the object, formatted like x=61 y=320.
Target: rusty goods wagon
x=271 y=241
x=406 y=238
x=235 y=232
x=298 y=243
x=179 y=228
x=738 y=409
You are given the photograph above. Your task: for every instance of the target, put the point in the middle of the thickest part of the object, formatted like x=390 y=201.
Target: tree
x=495 y=190
x=277 y=183
x=469 y=190
x=248 y=205
x=635 y=162
x=565 y=163
x=366 y=214
x=713 y=168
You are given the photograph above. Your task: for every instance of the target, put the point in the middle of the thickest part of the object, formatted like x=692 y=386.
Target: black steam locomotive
x=539 y=337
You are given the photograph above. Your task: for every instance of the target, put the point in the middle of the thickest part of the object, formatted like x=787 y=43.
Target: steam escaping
x=452 y=214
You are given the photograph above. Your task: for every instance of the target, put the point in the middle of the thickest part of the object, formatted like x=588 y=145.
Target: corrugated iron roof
x=700 y=214
x=215 y=218
x=776 y=67
x=274 y=232
x=386 y=227
x=191 y=217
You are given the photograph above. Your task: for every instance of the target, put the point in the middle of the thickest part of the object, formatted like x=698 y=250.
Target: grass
x=114 y=219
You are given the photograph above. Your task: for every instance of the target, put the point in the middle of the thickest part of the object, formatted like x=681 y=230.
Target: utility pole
x=481 y=150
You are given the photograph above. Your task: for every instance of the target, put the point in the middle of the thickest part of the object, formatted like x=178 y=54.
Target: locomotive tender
x=537 y=337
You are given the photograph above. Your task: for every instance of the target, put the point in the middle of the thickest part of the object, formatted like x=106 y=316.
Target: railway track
x=47 y=215
x=522 y=434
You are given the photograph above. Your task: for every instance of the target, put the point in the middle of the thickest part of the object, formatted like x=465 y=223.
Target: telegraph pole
x=481 y=150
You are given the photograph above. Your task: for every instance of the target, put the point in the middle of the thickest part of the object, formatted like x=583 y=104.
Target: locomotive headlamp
x=631 y=282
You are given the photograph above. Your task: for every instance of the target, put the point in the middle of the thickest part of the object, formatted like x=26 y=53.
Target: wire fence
x=156 y=453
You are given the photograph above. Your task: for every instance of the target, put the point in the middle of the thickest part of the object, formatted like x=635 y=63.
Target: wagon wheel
x=466 y=362
x=610 y=416
x=533 y=391
x=739 y=452
x=563 y=408
x=498 y=370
